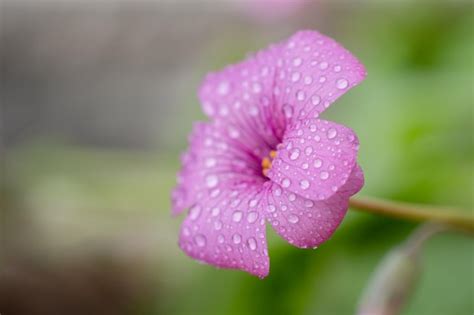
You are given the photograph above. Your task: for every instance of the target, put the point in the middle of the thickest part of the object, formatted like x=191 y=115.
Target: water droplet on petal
x=194 y=212
x=324 y=175
x=218 y=225
x=223 y=88
x=341 y=84
x=297 y=62
x=300 y=95
x=252 y=217
x=295 y=154
x=233 y=133
x=271 y=208
x=285 y=183
x=317 y=163
x=288 y=110
x=323 y=65
x=215 y=212
x=315 y=100
x=212 y=181
x=295 y=76
x=237 y=216
x=308 y=150
x=236 y=238
x=293 y=218
x=210 y=162
x=308 y=203
x=252 y=243
x=200 y=240
x=220 y=239
x=292 y=197
x=304 y=184
x=332 y=133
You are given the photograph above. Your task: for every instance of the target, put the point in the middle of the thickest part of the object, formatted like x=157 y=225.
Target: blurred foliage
x=413 y=116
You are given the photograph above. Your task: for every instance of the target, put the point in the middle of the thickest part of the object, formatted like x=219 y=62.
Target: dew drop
x=252 y=243
x=220 y=239
x=253 y=111
x=253 y=203
x=292 y=197
x=300 y=95
x=308 y=203
x=237 y=216
x=210 y=162
x=308 y=150
x=271 y=208
x=218 y=225
x=304 y=184
x=257 y=87
x=212 y=181
x=295 y=154
x=215 y=212
x=317 y=163
x=236 y=238
x=200 y=240
x=223 y=88
x=288 y=110
x=315 y=100
x=295 y=76
x=233 y=133
x=285 y=183
x=194 y=212
x=252 y=217
x=297 y=62
x=324 y=175
x=308 y=80
x=341 y=84
x=293 y=218
x=332 y=133
x=323 y=65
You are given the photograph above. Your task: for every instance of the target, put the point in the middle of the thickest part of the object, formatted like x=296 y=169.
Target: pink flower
x=265 y=156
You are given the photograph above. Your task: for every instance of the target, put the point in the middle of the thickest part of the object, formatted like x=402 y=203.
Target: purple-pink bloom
x=266 y=156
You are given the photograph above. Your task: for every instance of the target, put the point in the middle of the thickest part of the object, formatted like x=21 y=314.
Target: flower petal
x=314 y=71
x=315 y=158
x=308 y=223
x=228 y=231
x=242 y=94
x=215 y=161
x=293 y=79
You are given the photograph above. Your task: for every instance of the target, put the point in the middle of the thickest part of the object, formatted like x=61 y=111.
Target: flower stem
x=460 y=219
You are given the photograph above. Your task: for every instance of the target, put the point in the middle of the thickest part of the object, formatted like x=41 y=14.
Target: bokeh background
x=98 y=98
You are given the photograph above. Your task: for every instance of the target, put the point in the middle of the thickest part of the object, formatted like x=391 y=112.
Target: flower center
x=267 y=162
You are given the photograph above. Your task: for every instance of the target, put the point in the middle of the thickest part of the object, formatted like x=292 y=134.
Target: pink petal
x=242 y=94
x=314 y=70
x=296 y=78
x=305 y=222
x=228 y=231
x=315 y=158
x=215 y=160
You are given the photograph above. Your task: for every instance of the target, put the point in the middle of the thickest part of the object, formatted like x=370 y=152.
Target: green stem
x=463 y=220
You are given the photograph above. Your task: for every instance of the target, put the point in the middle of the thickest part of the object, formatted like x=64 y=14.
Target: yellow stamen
x=267 y=162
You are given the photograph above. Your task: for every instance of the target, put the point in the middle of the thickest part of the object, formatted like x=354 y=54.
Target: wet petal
x=314 y=71
x=315 y=158
x=214 y=162
x=241 y=94
x=305 y=222
x=228 y=231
